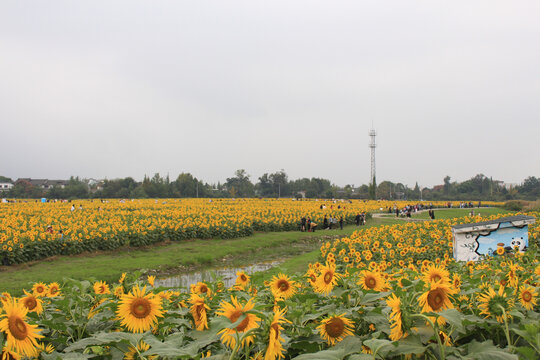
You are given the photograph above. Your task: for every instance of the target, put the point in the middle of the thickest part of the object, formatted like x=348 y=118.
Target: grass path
x=173 y=258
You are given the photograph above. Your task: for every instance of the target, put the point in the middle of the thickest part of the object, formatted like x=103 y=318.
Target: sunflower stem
x=435 y=327
x=506 y=330
x=233 y=354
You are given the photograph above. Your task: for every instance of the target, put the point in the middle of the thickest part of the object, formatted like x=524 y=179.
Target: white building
x=5 y=186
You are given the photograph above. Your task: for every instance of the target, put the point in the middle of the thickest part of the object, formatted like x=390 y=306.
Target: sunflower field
x=391 y=292
x=34 y=230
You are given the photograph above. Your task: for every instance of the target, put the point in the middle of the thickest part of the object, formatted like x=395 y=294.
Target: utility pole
x=372 y=146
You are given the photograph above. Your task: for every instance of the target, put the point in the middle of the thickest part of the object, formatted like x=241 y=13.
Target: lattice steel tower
x=372 y=145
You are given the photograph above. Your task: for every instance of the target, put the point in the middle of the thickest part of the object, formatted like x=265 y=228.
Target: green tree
x=243 y=187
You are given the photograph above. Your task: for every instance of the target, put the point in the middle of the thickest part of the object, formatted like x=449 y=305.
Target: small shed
x=472 y=241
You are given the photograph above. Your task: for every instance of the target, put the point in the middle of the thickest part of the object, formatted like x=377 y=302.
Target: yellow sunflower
x=312 y=277
x=436 y=299
x=327 y=279
x=101 y=288
x=118 y=291
x=53 y=290
x=491 y=303
x=202 y=289
x=138 y=311
x=242 y=279
x=372 y=280
x=396 y=324
x=527 y=296
x=7 y=354
x=39 y=289
x=282 y=287
x=434 y=273
x=93 y=310
x=335 y=328
x=21 y=337
x=456 y=281
x=234 y=311
x=198 y=311
x=134 y=353
x=32 y=303
x=275 y=340
x=500 y=251
x=151 y=279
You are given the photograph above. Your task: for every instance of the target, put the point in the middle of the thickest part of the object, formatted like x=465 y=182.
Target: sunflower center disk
x=328 y=278
x=30 y=303
x=140 y=308
x=235 y=316
x=371 y=283
x=335 y=327
x=526 y=296
x=17 y=327
x=435 y=299
x=283 y=285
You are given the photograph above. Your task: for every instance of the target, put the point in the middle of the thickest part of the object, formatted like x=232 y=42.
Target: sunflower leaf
x=487 y=351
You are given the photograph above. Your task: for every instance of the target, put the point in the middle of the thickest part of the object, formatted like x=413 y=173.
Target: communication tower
x=372 y=146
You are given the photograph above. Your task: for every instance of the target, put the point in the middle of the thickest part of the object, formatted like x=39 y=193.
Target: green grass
x=171 y=258
x=454 y=213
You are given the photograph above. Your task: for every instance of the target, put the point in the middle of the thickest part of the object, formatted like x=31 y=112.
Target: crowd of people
x=330 y=222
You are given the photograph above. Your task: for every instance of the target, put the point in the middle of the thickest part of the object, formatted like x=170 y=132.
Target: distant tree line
x=274 y=185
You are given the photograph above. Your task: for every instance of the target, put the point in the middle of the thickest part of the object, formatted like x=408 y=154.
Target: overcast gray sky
x=126 y=88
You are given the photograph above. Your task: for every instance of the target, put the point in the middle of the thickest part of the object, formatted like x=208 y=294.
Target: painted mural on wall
x=491 y=238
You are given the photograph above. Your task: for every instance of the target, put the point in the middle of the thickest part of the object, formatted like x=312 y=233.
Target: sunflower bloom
x=335 y=328
x=151 y=279
x=234 y=311
x=202 y=289
x=372 y=280
x=282 y=287
x=133 y=352
x=312 y=277
x=93 y=310
x=434 y=273
x=39 y=289
x=21 y=337
x=101 y=288
x=492 y=304
x=242 y=279
x=396 y=324
x=456 y=282
x=138 y=311
x=53 y=290
x=32 y=303
x=7 y=354
x=275 y=340
x=436 y=299
x=198 y=311
x=327 y=279
x=527 y=296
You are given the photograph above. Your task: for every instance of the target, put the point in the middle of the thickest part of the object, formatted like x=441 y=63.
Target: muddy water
x=227 y=275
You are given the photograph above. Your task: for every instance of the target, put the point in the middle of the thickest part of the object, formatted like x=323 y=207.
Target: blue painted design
x=506 y=234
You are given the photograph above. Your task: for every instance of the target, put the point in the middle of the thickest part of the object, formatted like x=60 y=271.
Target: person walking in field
x=308 y=224
x=312 y=226
x=303 y=224
x=357 y=219
x=325 y=223
x=341 y=222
